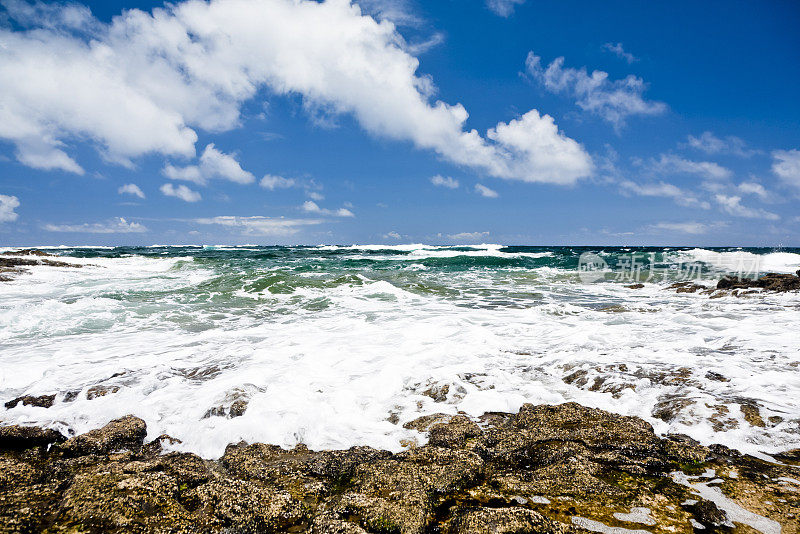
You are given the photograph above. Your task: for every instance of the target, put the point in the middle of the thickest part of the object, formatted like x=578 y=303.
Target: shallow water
x=338 y=346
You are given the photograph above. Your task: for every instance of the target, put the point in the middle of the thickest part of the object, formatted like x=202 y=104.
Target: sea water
x=335 y=346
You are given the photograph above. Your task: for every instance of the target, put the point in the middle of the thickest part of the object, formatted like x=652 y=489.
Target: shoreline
x=562 y=468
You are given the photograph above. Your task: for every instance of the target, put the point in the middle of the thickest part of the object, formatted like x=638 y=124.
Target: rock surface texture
x=546 y=469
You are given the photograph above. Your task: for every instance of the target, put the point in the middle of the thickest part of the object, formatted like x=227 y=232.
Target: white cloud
x=444 y=181
x=503 y=8
x=711 y=144
x=786 y=166
x=672 y=164
x=663 y=189
x=753 y=188
x=695 y=228
x=613 y=100
x=620 y=52
x=182 y=192
x=258 y=225
x=7 y=206
x=213 y=164
x=272 y=182
x=314 y=195
x=533 y=150
x=732 y=205
x=468 y=236
x=131 y=189
x=310 y=206
x=392 y=235
x=117 y=225
x=146 y=82
x=484 y=191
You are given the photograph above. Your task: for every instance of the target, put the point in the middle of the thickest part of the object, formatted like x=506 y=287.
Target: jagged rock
x=711 y=375
x=635 y=286
x=504 y=521
x=125 y=432
x=707 y=513
x=26 y=252
x=545 y=469
x=100 y=391
x=768 y=282
x=454 y=433
x=752 y=414
x=42 y=401
x=24 y=437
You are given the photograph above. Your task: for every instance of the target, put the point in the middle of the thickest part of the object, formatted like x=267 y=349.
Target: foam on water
x=334 y=352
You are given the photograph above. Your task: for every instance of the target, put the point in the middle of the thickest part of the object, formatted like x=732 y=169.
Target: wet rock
x=688 y=287
x=669 y=408
x=422 y=424
x=125 y=432
x=26 y=252
x=711 y=375
x=635 y=286
x=752 y=414
x=100 y=391
x=533 y=471
x=504 y=521
x=234 y=405
x=25 y=437
x=707 y=513
x=437 y=392
x=768 y=282
x=17 y=262
x=454 y=433
x=42 y=401
x=329 y=524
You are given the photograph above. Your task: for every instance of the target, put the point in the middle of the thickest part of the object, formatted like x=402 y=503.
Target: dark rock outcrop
x=42 y=401
x=768 y=282
x=546 y=469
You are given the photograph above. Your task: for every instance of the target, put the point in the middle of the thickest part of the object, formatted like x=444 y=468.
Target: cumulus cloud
x=444 y=181
x=711 y=144
x=392 y=235
x=484 y=191
x=732 y=205
x=503 y=8
x=181 y=191
x=7 y=206
x=258 y=225
x=213 y=164
x=613 y=100
x=309 y=206
x=672 y=164
x=117 y=225
x=147 y=82
x=663 y=189
x=468 y=236
x=131 y=189
x=786 y=166
x=272 y=182
x=620 y=52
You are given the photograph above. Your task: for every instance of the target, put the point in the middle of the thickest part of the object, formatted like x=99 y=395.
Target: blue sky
x=469 y=121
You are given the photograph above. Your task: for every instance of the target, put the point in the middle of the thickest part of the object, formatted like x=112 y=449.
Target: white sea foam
x=736 y=260
x=327 y=364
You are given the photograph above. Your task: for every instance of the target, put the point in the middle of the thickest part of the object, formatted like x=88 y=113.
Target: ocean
x=335 y=346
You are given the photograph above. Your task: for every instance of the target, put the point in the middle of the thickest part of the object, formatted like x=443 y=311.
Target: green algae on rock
x=546 y=469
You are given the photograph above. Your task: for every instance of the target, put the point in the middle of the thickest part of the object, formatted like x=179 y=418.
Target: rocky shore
x=731 y=285
x=564 y=468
